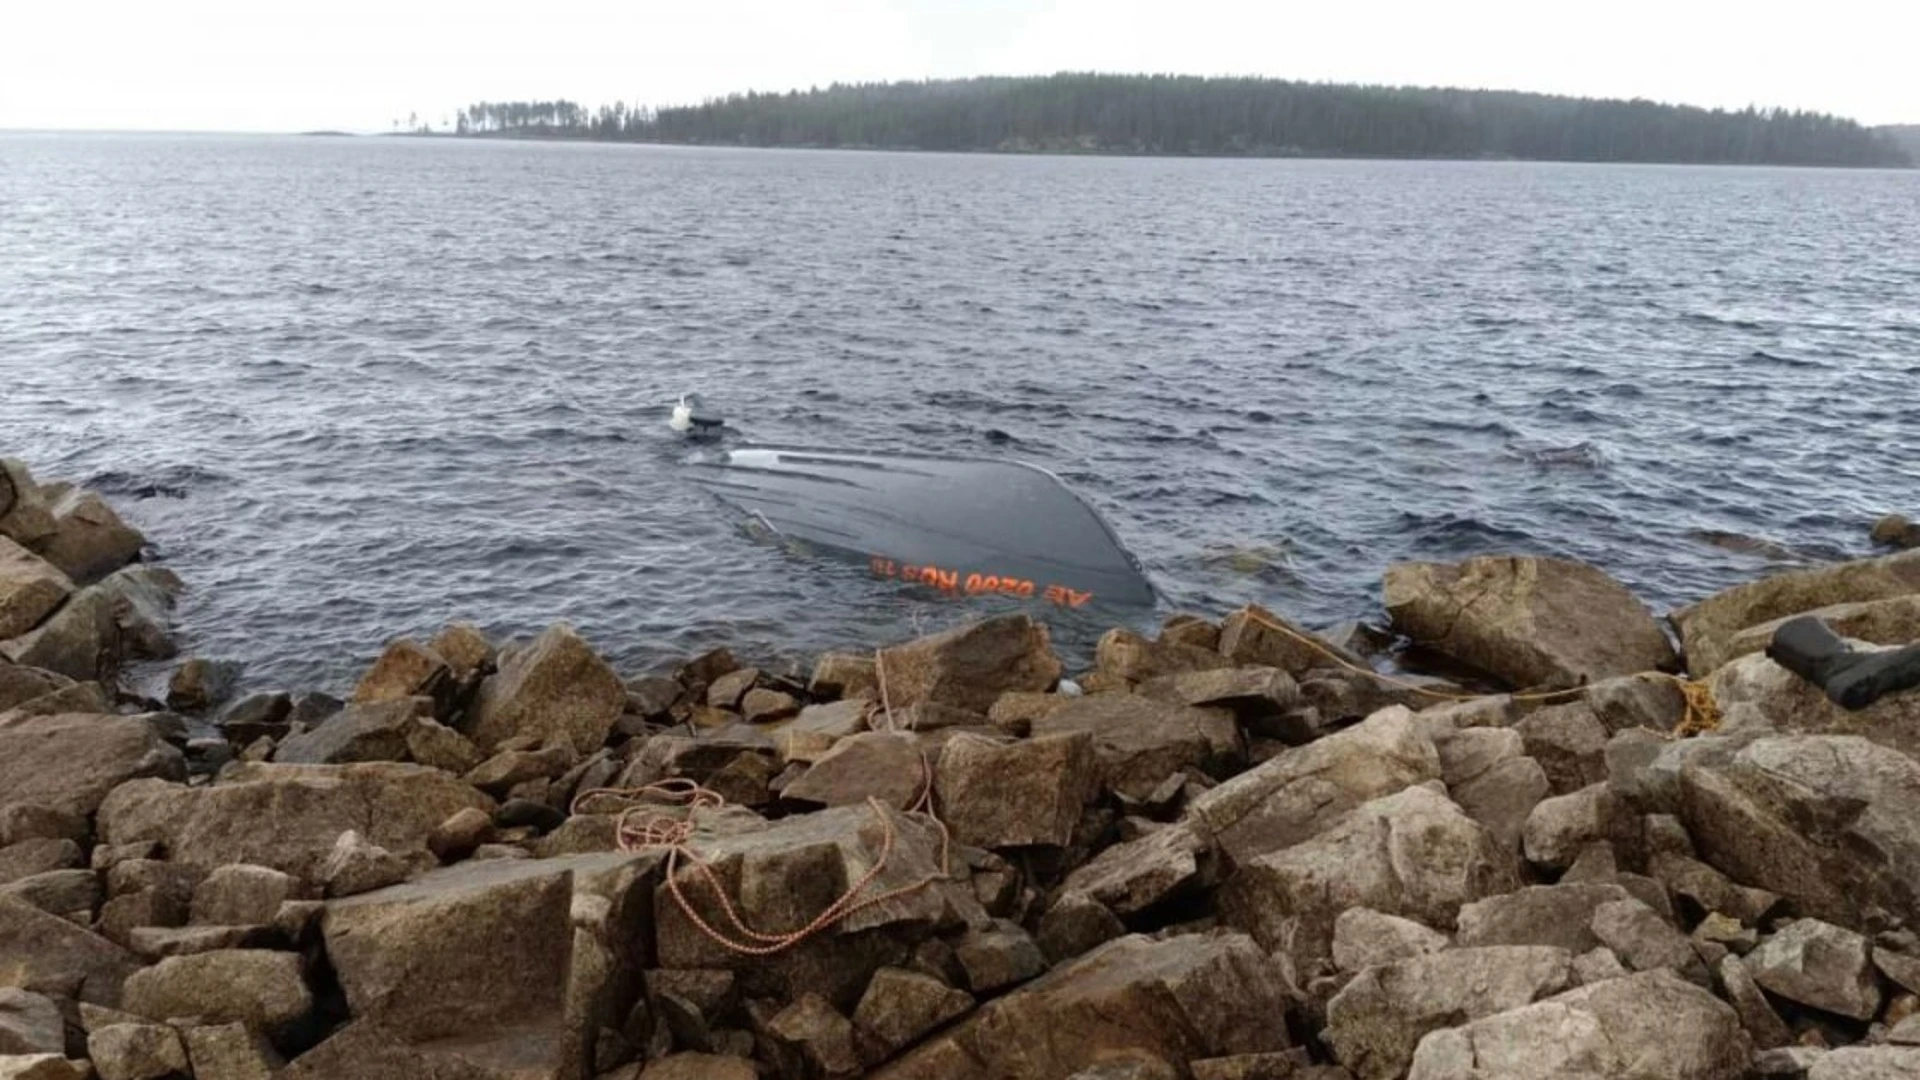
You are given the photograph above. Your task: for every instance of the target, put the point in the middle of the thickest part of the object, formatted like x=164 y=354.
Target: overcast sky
x=289 y=65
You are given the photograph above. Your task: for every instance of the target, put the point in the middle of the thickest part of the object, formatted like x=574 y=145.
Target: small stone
x=1363 y=938
x=465 y=649
x=357 y=865
x=528 y=813
x=651 y=697
x=1644 y=941
x=1595 y=863
x=1665 y=835
x=898 y=1007
x=312 y=709
x=72 y=894
x=970 y=666
x=872 y=764
x=230 y=1052
x=502 y=772
x=262 y=989
x=30 y=858
x=1702 y=889
x=763 y=706
x=1895 y=531
x=1560 y=915
x=122 y=915
x=822 y=1037
x=1786 y=1062
x=843 y=675
x=556 y=687
x=705 y=669
x=1726 y=932
x=1076 y=924
x=1248 y=638
x=20 y=822
x=1569 y=742
x=819 y=729
x=1819 y=964
x=1019 y=794
x=435 y=744
x=137 y=1052
x=199 y=684
x=1598 y=965
x=457 y=837
x=1124 y=657
x=1134 y=876
x=1561 y=827
x=256 y=715
x=1188 y=629
x=24 y=513
x=998 y=957
x=90 y=540
x=727 y=691
x=239 y=894
x=43 y=1067
x=29 y=1023
x=1757 y=1015
x=1015 y=712
x=1376 y=1020
x=405 y=669
x=1901 y=967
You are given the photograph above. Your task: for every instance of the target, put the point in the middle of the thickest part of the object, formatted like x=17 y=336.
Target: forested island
x=1190 y=115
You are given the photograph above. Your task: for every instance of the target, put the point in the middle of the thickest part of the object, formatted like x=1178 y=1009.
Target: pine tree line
x=1189 y=115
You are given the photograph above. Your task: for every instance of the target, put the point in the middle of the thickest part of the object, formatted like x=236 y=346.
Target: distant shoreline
x=1186 y=116
x=569 y=137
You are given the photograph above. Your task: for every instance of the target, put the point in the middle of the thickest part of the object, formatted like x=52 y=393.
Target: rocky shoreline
x=1228 y=851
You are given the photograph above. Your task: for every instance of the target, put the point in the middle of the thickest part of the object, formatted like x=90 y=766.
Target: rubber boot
x=1852 y=678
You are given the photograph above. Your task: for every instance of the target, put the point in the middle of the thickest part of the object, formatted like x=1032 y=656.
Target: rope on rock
x=1701 y=713
x=647 y=820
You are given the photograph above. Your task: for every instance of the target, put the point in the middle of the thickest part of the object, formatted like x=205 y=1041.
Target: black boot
x=1852 y=678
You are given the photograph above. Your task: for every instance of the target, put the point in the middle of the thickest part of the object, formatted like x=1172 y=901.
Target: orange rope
x=1702 y=714
x=659 y=829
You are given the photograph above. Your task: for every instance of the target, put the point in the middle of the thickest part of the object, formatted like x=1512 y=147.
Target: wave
x=164 y=482
x=1457 y=533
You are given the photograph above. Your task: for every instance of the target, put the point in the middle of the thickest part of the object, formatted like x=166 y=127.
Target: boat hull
x=961 y=526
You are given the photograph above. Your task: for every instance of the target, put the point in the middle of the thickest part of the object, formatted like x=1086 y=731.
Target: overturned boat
x=963 y=526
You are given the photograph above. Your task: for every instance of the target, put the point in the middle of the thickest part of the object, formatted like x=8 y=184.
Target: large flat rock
x=1181 y=999
x=288 y=817
x=1649 y=1025
x=71 y=761
x=1530 y=620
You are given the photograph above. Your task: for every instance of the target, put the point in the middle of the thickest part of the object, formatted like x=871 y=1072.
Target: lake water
x=354 y=388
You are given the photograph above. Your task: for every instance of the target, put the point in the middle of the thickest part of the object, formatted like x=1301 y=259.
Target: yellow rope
x=1702 y=714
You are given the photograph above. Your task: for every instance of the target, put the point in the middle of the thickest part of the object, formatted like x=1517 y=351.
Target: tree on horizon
x=1192 y=115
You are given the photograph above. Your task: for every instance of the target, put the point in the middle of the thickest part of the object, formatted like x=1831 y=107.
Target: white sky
x=289 y=65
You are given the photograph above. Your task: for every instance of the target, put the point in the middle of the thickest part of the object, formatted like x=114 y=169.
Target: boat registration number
x=976 y=584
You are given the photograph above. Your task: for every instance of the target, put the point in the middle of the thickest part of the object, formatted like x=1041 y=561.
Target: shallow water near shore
x=355 y=388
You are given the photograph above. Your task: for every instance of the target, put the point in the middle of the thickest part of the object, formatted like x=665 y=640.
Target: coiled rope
x=660 y=816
